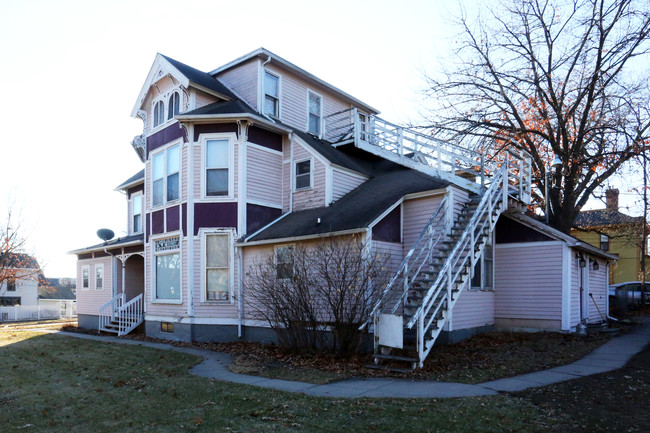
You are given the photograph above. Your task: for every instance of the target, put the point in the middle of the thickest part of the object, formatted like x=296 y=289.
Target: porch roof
x=113 y=243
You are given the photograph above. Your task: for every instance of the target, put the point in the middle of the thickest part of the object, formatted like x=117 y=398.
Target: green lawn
x=53 y=383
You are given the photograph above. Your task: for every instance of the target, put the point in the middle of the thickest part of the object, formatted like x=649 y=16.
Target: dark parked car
x=631 y=291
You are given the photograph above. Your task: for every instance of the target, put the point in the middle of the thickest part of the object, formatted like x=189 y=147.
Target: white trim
x=299 y=238
x=242 y=174
x=204 y=320
x=320 y=115
x=189 y=226
x=349 y=172
x=264 y=203
x=386 y=212
x=429 y=193
x=310 y=150
x=329 y=185
x=311 y=174
x=85 y=267
x=263 y=92
x=231 y=137
x=203 y=234
x=566 y=288
x=98 y=266
x=264 y=148
x=179 y=251
x=529 y=244
x=264 y=227
x=164 y=149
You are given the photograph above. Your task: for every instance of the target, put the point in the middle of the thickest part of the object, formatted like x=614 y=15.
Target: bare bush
x=327 y=296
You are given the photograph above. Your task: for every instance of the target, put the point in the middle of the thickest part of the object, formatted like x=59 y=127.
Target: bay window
x=167 y=269
x=217 y=158
x=217 y=267
x=165 y=175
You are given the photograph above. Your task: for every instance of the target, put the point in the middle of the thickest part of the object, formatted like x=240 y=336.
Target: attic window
x=271 y=94
x=604 y=242
x=174 y=104
x=158 y=113
x=314 y=106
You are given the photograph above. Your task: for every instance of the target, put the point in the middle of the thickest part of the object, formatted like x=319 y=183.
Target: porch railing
x=108 y=310
x=129 y=315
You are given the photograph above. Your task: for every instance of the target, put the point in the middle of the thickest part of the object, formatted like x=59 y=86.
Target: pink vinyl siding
x=314 y=196
x=89 y=300
x=201 y=99
x=243 y=81
x=394 y=252
x=474 y=309
x=416 y=213
x=264 y=176
x=528 y=282
x=343 y=183
x=293 y=99
x=575 y=290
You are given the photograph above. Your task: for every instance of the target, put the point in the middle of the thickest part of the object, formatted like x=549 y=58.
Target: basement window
x=167 y=327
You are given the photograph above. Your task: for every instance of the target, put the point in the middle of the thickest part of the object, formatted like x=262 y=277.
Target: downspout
x=291 y=172
x=190 y=222
x=240 y=299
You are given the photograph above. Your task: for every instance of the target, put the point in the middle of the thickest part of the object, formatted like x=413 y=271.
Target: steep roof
x=604 y=217
x=136 y=179
x=357 y=209
x=200 y=78
x=236 y=106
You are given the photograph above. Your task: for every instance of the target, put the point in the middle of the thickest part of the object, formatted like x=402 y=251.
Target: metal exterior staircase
x=416 y=304
x=120 y=317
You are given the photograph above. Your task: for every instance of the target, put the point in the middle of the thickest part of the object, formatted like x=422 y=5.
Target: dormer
x=283 y=92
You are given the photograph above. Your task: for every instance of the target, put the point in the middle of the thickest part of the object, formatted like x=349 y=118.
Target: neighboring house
x=618 y=234
x=259 y=155
x=19 y=280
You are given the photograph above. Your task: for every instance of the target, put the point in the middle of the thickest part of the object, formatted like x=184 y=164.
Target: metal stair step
x=388 y=368
x=395 y=357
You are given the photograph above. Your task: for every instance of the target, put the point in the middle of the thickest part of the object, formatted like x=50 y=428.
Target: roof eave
x=301 y=238
x=129 y=185
x=207 y=118
x=104 y=247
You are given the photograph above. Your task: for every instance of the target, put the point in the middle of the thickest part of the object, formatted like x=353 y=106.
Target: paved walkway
x=610 y=356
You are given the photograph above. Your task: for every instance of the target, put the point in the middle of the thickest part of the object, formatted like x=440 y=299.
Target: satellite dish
x=105 y=234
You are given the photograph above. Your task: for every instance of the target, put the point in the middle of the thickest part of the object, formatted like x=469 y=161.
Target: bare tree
x=566 y=78
x=322 y=297
x=15 y=263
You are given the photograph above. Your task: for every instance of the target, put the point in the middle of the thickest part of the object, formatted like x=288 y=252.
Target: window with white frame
x=271 y=94
x=165 y=175
x=136 y=206
x=85 y=277
x=99 y=277
x=217 y=159
x=217 y=267
x=303 y=174
x=284 y=262
x=158 y=113
x=173 y=105
x=314 y=113
x=167 y=269
x=483 y=278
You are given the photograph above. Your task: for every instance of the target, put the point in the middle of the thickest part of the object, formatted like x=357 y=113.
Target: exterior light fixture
x=582 y=262
x=557 y=162
x=596 y=266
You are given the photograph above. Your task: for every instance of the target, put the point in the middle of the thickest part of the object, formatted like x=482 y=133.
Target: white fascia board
x=429 y=193
x=129 y=185
x=211 y=118
x=103 y=247
x=301 y=238
x=326 y=162
x=349 y=172
x=286 y=65
x=384 y=213
x=159 y=61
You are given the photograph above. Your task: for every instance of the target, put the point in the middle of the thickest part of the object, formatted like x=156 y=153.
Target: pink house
x=259 y=154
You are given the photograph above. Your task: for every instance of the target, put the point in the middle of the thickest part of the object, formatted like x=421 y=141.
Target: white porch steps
x=120 y=317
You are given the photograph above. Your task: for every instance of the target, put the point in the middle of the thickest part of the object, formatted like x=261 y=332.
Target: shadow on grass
x=57 y=384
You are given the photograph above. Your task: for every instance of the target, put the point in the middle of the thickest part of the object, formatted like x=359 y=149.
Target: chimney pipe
x=611 y=199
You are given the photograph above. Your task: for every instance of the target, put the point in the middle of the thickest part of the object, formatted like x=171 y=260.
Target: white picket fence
x=45 y=310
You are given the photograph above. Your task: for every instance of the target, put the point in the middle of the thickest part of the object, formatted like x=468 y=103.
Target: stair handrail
x=112 y=305
x=425 y=306
x=403 y=268
x=129 y=315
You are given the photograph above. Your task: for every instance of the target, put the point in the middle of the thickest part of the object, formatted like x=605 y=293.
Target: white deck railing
x=465 y=167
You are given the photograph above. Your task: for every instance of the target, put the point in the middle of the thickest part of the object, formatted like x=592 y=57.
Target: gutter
x=198 y=118
x=302 y=238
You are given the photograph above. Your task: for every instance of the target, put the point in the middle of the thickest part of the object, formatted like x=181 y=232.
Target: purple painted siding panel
x=214 y=127
x=173 y=222
x=131 y=191
x=388 y=229
x=184 y=219
x=147 y=227
x=214 y=215
x=157 y=222
x=258 y=216
x=164 y=136
x=509 y=231
x=265 y=138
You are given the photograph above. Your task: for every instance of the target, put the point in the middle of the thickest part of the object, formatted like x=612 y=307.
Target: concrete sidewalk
x=610 y=356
